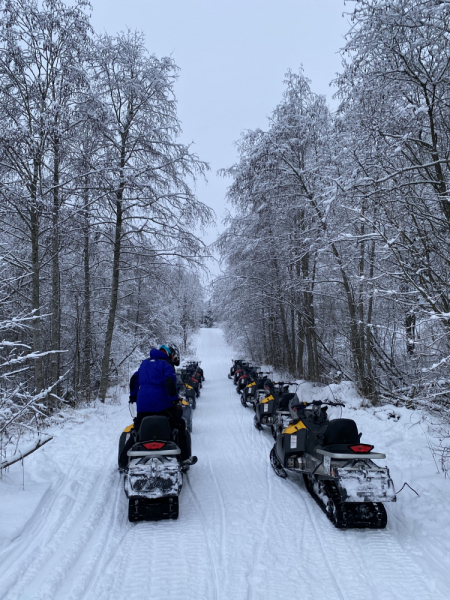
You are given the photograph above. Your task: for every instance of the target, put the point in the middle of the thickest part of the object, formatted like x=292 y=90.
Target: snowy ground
x=242 y=533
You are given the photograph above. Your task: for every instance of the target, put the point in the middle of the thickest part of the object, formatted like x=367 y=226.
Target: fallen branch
x=20 y=455
x=409 y=488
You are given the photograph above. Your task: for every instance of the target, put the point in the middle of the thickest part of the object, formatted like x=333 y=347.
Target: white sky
x=233 y=55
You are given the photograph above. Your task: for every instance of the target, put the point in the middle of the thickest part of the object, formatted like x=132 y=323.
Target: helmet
x=175 y=354
x=172 y=351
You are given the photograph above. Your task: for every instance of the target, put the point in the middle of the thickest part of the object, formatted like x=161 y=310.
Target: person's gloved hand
x=132 y=399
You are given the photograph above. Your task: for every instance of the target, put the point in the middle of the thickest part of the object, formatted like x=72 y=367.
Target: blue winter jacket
x=155 y=383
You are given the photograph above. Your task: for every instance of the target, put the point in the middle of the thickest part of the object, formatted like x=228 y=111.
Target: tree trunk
x=113 y=304
x=55 y=370
x=35 y=262
x=87 y=300
x=104 y=381
x=300 y=346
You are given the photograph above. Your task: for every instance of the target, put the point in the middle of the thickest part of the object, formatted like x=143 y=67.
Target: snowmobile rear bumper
x=350 y=455
x=142 y=509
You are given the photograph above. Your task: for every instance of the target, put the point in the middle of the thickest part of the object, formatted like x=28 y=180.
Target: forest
x=336 y=253
x=98 y=257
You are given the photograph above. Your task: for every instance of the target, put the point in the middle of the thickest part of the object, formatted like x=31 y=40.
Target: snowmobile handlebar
x=322 y=403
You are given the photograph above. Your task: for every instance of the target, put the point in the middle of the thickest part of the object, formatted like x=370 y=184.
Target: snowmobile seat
x=155 y=428
x=284 y=401
x=341 y=431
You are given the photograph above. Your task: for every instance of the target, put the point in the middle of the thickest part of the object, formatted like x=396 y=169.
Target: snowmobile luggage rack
x=153 y=480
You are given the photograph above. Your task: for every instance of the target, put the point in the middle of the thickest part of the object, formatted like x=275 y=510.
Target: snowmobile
x=237 y=362
x=337 y=468
x=186 y=390
x=187 y=413
x=187 y=377
x=194 y=373
x=154 y=473
x=255 y=389
x=248 y=376
x=240 y=371
x=196 y=368
x=273 y=407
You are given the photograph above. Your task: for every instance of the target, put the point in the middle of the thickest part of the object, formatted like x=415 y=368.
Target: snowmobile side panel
x=290 y=445
x=265 y=410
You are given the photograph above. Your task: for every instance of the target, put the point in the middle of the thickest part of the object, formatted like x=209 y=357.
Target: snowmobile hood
x=267 y=399
x=294 y=428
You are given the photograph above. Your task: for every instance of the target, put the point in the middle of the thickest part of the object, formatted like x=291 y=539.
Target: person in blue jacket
x=154 y=389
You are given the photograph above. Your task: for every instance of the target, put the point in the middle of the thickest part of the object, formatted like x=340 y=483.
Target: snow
x=243 y=533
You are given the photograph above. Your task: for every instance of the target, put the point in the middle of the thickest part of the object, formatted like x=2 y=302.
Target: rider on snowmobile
x=154 y=389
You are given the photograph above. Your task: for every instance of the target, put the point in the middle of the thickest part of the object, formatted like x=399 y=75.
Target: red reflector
x=361 y=448
x=154 y=445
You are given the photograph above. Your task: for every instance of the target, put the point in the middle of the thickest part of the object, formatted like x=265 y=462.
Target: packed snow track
x=242 y=533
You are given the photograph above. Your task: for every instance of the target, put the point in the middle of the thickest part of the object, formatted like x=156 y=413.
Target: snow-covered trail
x=242 y=534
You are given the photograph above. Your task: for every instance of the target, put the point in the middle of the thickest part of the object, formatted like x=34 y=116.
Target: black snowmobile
x=186 y=390
x=240 y=371
x=256 y=388
x=273 y=407
x=189 y=379
x=196 y=369
x=338 y=469
x=237 y=363
x=249 y=376
x=187 y=409
x=153 y=470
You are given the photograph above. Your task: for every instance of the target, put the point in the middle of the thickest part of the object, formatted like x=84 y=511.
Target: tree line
x=97 y=208
x=337 y=251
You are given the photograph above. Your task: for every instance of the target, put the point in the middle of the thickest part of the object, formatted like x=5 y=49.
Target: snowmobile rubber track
x=257 y=424
x=276 y=464
x=348 y=515
x=144 y=509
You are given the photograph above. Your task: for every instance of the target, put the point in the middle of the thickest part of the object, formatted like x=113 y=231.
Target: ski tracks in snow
x=242 y=534
x=64 y=540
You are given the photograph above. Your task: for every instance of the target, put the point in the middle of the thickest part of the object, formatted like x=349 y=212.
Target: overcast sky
x=233 y=55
